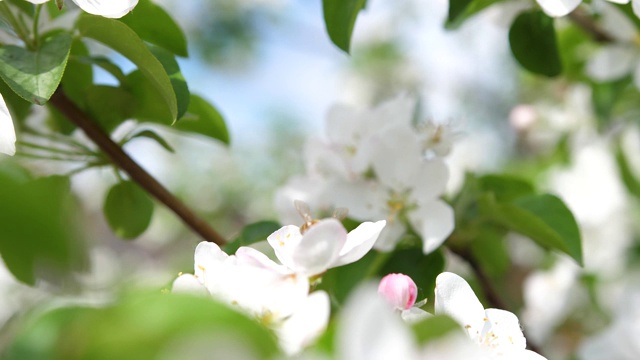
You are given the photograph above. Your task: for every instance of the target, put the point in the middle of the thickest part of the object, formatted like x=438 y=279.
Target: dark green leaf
x=149 y=106
x=39 y=237
x=18 y=106
x=489 y=249
x=626 y=173
x=178 y=82
x=122 y=39
x=341 y=281
x=461 y=10
x=252 y=233
x=340 y=18
x=543 y=218
x=35 y=75
x=533 y=43
x=145 y=326
x=434 y=327
x=154 y=136
x=128 y=210
x=109 y=105
x=202 y=118
x=78 y=77
x=154 y=25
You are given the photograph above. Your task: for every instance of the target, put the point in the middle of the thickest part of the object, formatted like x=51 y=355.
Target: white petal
x=505 y=325
x=7 y=132
x=188 y=283
x=283 y=242
x=434 y=221
x=248 y=256
x=305 y=324
x=619 y=1
x=343 y=125
x=390 y=235
x=321 y=159
x=616 y=23
x=319 y=247
x=304 y=188
x=556 y=8
x=636 y=75
x=612 y=62
x=369 y=330
x=396 y=157
x=359 y=241
x=107 y=8
x=635 y=4
x=397 y=111
x=454 y=297
x=414 y=315
x=207 y=254
x=37 y=1
x=365 y=200
x=431 y=179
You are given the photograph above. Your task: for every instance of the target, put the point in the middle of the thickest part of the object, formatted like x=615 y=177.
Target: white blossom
x=7 y=132
x=107 y=8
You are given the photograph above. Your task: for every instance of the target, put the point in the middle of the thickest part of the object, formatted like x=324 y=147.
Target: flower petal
x=305 y=324
x=107 y=8
x=284 y=242
x=248 y=256
x=359 y=241
x=434 y=221
x=395 y=157
x=612 y=62
x=557 y=8
x=319 y=247
x=454 y=297
x=7 y=132
x=188 y=283
x=390 y=235
x=206 y=256
x=431 y=179
x=399 y=290
x=414 y=314
x=506 y=327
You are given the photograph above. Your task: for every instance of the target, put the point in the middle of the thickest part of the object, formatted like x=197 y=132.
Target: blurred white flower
x=557 y=8
x=400 y=291
x=268 y=291
x=323 y=245
x=7 y=132
x=107 y=8
x=494 y=330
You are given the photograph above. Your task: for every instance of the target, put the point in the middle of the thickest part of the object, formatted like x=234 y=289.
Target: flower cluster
x=379 y=164
x=494 y=333
x=278 y=295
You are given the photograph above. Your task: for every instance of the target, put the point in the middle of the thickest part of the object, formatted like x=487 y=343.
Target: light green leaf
x=533 y=43
x=629 y=179
x=35 y=75
x=153 y=24
x=505 y=187
x=122 y=39
x=128 y=210
x=202 y=118
x=434 y=327
x=340 y=18
x=178 y=82
x=39 y=237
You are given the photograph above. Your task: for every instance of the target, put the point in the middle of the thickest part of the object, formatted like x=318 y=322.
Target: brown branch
x=137 y=174
x=582 y=19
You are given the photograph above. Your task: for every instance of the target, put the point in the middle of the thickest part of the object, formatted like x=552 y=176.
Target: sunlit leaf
x=204 y=119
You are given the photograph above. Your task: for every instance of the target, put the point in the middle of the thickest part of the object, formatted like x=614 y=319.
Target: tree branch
x=580 y=18
x=137 y=174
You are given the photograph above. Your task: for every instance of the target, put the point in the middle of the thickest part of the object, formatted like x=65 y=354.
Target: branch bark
x=580 y=18
x=137 y=173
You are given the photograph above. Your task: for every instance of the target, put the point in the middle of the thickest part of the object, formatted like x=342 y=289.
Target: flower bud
x=399 y=291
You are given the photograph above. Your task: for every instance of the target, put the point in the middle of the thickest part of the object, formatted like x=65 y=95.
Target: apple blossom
x=400 y=292
x=558 y=8
x=107 y=8
x=492 y=329
x=324 y=245
x=271 y=293
x=7 y=132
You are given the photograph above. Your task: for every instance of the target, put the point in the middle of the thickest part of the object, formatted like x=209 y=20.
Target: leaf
x=109 y=105
x=543 y=218
x=39 y=237
x=490 y=250
x=78 y=76
x=461 y=10
x=252 y=233
x=128 y=210
x=505 y=187
x=341 y=281
x=202 y=118
x=144 y=326
x=154 y=136
x=106 y=64
x=423 y=269
x=433 y=327
x=122 y=39
x=533 y=43
x=340 y=18
x=605 y=96
x=626 y=173
x=178 y=82
x=153 y=24
x=35 y=75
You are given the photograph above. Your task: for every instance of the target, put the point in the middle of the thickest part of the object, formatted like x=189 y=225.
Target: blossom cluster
x=278 y=294
x=379 y=164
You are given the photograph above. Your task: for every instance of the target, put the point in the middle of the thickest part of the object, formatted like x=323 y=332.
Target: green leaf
x=109 y=105
x=433 y=327
x=505 y=187
x=252 y=233
x=153 y=24
x=128 y=210
x=423 y=269
x=122 y=39
x=39 y=237
x=78 y=76
x=19 y=107
x=106 y=64
x=605 y=96
x=178 y=82
x=626 y=173
x=35 y=75
x=151 y=135
x=340 y=18
x=533 y=43
x=461 y=10
x=202 y=118
x=543 y=218
x=145 y=326
x=489 y=248
x=341 y=281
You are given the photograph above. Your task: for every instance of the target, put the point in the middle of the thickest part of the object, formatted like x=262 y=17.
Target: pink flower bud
x=399 y=291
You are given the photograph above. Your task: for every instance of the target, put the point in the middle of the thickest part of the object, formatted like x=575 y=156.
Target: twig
x=580 y=18
x=138 y=174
